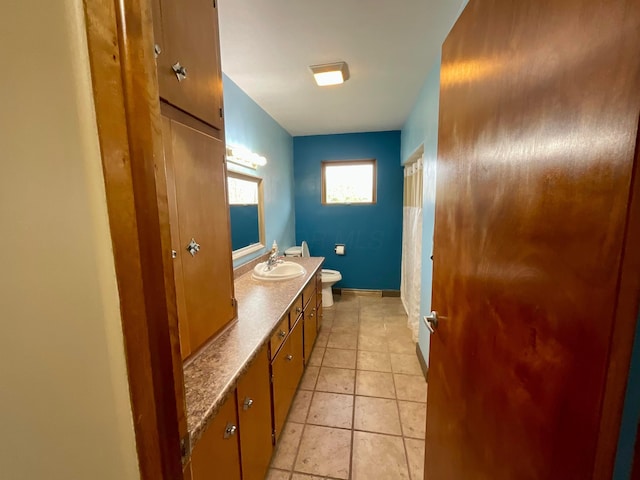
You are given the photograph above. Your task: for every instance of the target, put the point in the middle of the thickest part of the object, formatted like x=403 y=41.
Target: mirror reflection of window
x=242 y=192
x=245 y=212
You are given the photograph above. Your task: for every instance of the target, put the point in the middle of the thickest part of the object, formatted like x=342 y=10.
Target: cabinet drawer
x=280 y=334
x=254 y=412
x=286 y=370
x=309 y=292
x=296 y=310
x=217 y=454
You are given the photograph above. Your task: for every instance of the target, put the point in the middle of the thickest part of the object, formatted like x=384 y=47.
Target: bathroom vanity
x=239 y=387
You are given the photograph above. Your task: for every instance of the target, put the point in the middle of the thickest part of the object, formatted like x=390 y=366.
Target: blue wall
x=630 y=414
x=372 y=233
x=421 y=129
x=249 y=125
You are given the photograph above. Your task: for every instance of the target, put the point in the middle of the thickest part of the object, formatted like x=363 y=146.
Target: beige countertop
x=212 y=374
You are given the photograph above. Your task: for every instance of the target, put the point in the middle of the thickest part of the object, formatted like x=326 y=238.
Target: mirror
x=246 y=210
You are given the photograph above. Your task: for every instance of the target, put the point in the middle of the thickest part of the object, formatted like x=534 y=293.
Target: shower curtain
x=412 y=243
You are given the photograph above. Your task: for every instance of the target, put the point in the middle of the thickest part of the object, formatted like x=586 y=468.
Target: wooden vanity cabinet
x=254 y=412
x=189 y=74
x=200 y=234
x=286 y=371
x=217 y=453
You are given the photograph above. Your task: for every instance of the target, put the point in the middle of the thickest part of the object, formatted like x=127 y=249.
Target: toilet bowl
x=328 y=277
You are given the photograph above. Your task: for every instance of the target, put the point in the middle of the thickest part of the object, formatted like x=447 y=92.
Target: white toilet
x=329 y=277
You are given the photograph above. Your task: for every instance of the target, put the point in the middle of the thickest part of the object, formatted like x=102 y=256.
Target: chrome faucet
x=273 y=259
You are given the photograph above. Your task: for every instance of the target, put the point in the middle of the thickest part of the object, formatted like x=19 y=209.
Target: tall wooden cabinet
x=190 y=84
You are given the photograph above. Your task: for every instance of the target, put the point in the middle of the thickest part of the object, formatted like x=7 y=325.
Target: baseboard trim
x=358 y=292
x=366 y=293
x=423 y=363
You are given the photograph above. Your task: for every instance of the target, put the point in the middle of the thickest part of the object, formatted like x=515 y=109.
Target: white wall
x=64 y=399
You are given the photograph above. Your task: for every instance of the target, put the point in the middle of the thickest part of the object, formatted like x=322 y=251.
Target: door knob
x=432 y=320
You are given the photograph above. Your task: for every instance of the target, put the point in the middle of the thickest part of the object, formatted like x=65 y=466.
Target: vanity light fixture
x=330 y=73
x=244 y=157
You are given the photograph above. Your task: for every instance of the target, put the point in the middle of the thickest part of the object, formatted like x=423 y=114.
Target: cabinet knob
x=248 y=403
x=193 y=247
x=230 y=431
x=289 y=357
x=282 y=334
x=298 y=310
x=180 y=71
x=174 y=254
x=156 y=50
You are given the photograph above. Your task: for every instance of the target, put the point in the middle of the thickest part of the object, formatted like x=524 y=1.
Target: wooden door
x=217 y=453
x=254 y=411
x=198 y=210
x=189 y=31
x=287 y=370
x=539 y=108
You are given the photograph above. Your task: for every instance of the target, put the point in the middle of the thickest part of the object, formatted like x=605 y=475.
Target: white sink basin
x=280 y=271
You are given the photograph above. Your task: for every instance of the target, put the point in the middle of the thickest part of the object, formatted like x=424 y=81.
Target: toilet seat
x=305 y=249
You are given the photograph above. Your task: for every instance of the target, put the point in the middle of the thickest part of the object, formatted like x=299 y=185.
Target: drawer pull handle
x=289 y=357
x=248 y=403
x=180 y=71
x=193 y=247
x=230 y=431
x=282 y=334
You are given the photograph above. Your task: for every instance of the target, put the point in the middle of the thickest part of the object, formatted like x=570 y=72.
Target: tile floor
x=360 y=409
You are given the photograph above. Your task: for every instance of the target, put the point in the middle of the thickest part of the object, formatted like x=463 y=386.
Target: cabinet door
x=254 y=412
x=190 y=34
x=286 y=370
x=310 y=328
x=217 y=453
x=198 y=211
x=319 y=315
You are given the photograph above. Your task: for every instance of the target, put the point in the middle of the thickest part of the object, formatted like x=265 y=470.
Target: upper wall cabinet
x=188 y=57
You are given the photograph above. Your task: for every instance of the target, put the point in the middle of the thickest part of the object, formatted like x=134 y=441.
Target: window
x=345 y=182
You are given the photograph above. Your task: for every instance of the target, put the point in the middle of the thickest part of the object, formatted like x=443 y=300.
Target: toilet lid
x=305 y=249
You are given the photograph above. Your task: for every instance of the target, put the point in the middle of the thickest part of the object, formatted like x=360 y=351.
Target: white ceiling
x=389 y=45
